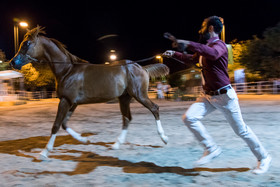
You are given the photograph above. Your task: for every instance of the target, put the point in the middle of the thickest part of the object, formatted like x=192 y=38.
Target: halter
x=31 y=58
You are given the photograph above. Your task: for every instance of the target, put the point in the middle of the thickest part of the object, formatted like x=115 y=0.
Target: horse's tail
x=156 y=70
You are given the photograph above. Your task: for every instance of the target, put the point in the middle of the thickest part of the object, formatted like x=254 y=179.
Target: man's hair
x=216 y=22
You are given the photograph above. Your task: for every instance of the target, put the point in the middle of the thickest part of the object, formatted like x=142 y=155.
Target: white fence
x=25 y=95
x=36 y=95
x=261 y=87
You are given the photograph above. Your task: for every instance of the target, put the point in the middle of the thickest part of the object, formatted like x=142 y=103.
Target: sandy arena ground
x=144 y=160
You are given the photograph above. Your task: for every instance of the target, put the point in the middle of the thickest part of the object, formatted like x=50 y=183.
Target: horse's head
x=30 y=50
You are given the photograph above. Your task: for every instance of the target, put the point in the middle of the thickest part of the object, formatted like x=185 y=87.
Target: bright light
x=107 y=62
x=158 y=57
x=23 y=24
x=113 y=57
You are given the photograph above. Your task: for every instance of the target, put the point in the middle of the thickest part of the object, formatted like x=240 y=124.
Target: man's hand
x=181 y=45
x=185 y=42
x=168 y=53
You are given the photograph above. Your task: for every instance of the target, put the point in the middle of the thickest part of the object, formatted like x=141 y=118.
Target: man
x=212 y=55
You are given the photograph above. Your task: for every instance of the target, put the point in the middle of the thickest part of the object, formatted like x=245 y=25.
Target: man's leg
x=192 y=118
x=229 y=105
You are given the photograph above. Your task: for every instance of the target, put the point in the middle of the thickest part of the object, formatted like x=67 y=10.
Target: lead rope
x=131 y=62
x=63 y=63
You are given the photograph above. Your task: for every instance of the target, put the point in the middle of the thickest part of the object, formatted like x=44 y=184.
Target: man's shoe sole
x=215 y=154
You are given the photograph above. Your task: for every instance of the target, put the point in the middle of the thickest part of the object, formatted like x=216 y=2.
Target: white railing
x=36 y=95
x=26 y=95
x=261 y=87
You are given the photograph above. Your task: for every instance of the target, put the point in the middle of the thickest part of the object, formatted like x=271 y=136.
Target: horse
x=79 y=82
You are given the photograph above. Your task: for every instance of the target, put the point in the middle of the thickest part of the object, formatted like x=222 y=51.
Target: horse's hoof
x=83 y=140
x=116 y=146
x=164 y=139
x=43 y=155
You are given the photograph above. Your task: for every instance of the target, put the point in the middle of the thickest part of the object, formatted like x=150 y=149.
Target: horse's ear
x=39 y=30
x=36 y=31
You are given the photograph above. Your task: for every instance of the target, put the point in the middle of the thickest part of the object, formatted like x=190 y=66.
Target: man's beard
x=204 y=37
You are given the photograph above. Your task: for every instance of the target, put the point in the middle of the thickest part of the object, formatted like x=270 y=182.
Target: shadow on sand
x=89 y=161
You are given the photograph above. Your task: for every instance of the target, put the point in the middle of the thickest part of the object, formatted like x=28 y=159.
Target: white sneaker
x=263 y=165
x=208 y=157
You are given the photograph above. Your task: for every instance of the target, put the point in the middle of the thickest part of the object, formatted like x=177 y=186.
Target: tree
x=3 y=64
x=175 y=80
x=263 y=55
x=37 y=75
x=239 y=49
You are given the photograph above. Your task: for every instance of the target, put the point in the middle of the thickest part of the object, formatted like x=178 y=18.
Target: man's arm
x=186 y=58
x=212 y=53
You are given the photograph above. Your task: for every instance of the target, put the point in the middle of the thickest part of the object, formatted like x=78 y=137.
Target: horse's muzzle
x=14 y=65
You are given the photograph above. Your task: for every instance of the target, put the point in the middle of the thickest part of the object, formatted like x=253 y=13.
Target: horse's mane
x=63 y=49
x=35 y=32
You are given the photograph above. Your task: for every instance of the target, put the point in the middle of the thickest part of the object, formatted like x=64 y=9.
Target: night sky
x=139 y=24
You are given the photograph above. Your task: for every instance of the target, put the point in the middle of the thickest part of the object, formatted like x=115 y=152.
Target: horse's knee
x=64 y=126
x=156 y=106
x=126 y=121
x=156 y=111
x=55 y=128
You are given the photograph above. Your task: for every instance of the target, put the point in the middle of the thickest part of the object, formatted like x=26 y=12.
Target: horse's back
x=121 y=62
x=104 y=82
x=99 y=83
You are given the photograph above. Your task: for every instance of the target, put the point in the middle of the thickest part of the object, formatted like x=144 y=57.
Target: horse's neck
x=59 y=62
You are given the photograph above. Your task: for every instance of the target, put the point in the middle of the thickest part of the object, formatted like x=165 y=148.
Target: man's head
x=210 y=26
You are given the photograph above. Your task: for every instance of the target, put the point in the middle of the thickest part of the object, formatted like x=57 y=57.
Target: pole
x=17 y=23
x=223 y=33
x=16 y=37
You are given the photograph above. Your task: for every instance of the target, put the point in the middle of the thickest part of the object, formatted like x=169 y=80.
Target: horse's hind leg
x=144 y=100
x=126 y=117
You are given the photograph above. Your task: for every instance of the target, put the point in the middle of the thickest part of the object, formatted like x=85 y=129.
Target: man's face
x=203 y=27
x=204 y=35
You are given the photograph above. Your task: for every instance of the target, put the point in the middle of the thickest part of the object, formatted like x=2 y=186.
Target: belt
x=219 y=91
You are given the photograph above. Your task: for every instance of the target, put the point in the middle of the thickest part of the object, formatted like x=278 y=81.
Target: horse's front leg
x=63 y=114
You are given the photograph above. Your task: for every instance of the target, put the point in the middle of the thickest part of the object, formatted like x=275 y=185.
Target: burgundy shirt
x=214 y=62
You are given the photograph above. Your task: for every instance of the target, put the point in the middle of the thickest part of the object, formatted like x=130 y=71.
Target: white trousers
x=160 y=94
x=229 y=106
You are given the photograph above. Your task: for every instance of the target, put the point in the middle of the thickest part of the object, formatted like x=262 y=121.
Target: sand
x=144 y=160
